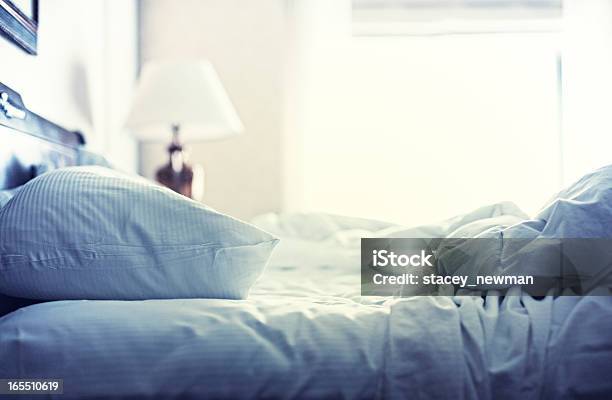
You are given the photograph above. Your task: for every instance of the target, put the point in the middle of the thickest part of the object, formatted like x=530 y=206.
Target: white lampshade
x=187 y=94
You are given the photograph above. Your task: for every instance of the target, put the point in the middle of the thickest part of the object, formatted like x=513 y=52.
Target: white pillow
x=94 y=233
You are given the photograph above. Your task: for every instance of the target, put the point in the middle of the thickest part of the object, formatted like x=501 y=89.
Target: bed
x=304 y=331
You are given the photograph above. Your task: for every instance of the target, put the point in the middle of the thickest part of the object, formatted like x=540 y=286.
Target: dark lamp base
x=181 y=181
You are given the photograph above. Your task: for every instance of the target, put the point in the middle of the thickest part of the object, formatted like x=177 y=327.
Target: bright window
x=415 y=128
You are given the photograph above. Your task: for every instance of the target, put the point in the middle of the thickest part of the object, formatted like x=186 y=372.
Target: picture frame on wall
x=19 y=23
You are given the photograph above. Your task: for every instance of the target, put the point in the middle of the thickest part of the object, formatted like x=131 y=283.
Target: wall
x=245 y=42
x=83 y=75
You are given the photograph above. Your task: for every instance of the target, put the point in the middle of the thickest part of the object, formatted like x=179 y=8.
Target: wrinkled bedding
x=306 y=332
x=421 y=347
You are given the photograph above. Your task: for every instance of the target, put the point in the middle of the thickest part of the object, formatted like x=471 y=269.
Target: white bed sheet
x=306 y=332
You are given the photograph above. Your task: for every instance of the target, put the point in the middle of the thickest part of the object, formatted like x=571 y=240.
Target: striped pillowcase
x=94 y=233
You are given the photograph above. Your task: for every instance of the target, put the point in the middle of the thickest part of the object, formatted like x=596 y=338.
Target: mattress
x=306 y=332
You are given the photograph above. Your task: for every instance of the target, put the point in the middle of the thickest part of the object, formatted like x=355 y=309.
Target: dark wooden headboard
x=30 y=144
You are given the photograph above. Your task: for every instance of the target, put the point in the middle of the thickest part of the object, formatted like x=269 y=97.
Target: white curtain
x=587 y=89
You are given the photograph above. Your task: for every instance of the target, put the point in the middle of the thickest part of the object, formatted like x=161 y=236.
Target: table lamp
x=181 y=102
